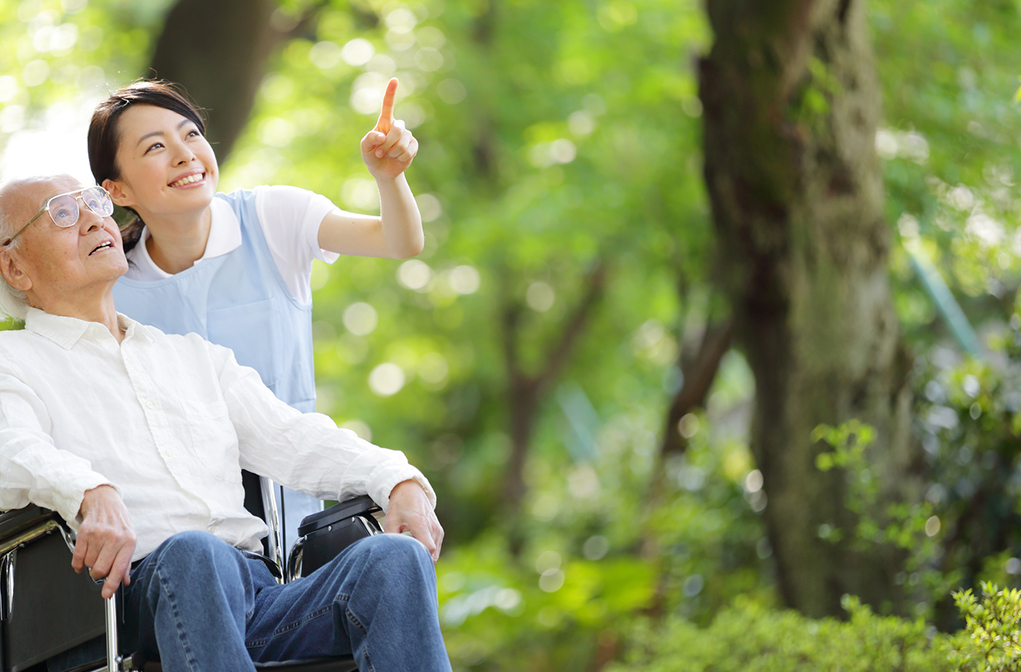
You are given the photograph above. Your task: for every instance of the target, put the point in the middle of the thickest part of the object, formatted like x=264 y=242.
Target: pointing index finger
x=386 y=114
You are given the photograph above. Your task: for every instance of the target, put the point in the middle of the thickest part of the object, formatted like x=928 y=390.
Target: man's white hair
x=13 y=302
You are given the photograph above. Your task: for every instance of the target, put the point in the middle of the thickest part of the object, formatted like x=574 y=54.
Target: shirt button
x=168 y=453
x=149 y=404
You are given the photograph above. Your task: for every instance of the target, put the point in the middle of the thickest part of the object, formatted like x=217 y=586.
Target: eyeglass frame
x=46 y=208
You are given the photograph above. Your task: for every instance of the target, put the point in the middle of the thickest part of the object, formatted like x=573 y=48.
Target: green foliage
x=496 y=609
x=813 y=101
x=747 y=636
x=993 y=623
x=949 y=70
x=581 y=152
x=54 y=52
x=598 y=553
x=907 y=525
x=967 y=423
x=556 y=136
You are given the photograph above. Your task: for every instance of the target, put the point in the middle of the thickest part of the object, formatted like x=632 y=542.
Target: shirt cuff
x=380 y=491
x=68 y=502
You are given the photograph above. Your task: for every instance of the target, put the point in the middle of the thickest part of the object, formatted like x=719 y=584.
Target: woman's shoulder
x=284 y=195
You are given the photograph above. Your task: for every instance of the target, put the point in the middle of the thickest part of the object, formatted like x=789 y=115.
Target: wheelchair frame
x=343 y=524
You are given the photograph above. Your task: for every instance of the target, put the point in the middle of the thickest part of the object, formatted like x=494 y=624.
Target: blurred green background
x=534 y=359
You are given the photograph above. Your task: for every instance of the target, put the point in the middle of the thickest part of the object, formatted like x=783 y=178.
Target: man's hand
x=106 y=541
x=389 y=148
x=410 y=511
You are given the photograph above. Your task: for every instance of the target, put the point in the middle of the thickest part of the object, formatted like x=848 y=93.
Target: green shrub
x=749 y=637
x=994 y=641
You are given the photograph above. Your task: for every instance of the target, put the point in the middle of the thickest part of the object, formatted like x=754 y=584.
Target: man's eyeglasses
x=64 y=210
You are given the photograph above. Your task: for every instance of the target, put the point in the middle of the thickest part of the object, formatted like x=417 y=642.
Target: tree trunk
x=217 y=50
x=791 y=106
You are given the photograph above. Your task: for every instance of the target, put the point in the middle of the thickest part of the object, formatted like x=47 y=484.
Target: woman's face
x=166 y=165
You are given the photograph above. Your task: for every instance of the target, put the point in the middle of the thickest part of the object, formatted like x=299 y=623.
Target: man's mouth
x=189 y=179
x=101 y=246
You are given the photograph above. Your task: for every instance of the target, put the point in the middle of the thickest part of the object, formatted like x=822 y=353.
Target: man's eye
x=62 y=214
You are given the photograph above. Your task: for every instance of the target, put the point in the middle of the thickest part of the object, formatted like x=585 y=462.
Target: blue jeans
x=199 y=604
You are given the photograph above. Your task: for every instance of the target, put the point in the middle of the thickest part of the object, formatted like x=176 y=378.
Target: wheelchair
x=46 y=609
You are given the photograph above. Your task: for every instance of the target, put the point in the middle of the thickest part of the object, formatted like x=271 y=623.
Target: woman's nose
x=183 y=155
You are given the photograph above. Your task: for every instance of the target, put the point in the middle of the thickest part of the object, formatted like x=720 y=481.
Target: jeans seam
x=365 y=633
x=189 y=657
x=256 y=643
x=354 y=620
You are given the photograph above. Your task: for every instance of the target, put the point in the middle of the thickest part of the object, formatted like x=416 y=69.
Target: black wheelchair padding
x=53 y=607
x=325 y=534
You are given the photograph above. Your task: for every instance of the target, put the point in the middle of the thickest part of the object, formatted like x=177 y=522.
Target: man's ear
x=12 y=272
x=117 y=192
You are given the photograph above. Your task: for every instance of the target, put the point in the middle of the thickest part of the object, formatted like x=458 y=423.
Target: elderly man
x=138 y=439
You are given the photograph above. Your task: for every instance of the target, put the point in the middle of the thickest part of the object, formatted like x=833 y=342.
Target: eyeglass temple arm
x=22 y=229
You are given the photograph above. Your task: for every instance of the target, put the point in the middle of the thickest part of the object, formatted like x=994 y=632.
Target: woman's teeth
x=188 y=180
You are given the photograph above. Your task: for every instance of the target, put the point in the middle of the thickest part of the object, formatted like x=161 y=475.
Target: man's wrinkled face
x=48 y=261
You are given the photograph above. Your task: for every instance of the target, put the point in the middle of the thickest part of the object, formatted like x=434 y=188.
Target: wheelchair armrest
x=19 y=526
x=18 y=520
x=325 y=534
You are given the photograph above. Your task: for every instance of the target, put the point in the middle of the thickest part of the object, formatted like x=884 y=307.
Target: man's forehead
x=47 y=187
x=34 y=192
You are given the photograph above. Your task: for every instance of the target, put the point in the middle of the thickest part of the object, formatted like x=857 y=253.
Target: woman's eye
x=155 y=145
x=194 y=134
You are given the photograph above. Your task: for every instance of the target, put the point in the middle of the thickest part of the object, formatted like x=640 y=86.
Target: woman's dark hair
x=103 y=135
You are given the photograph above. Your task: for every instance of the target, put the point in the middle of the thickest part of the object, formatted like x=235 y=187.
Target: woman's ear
x=117 y=193
x=12 y=272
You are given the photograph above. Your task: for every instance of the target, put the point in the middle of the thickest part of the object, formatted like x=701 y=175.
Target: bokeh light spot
x=360 y=318
x=386 y=379
x=414 y=274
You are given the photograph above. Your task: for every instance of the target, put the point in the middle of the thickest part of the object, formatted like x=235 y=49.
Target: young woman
x=235 y=267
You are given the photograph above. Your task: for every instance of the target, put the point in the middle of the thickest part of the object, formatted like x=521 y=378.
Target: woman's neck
x=176 y=243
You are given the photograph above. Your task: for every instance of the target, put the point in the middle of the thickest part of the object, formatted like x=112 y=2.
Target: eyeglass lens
x=64 y=208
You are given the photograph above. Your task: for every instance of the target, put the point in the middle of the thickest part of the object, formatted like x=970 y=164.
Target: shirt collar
x=224 y=237
x=67 y=331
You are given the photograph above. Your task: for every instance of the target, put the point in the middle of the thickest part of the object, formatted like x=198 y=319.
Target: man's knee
x=394 y=550
x=194 y=548
x=382 y=560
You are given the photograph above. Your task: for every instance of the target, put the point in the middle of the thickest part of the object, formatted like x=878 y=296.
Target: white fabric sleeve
x=32 y=469
x=290 y=219
x=306 y=451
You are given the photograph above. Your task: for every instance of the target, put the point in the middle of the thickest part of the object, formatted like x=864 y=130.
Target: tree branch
x=560 y=353
x=699 y=374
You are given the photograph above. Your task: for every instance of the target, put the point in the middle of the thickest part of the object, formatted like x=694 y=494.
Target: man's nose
x=88 y=221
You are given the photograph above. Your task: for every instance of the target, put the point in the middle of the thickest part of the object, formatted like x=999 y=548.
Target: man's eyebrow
x=154 y=133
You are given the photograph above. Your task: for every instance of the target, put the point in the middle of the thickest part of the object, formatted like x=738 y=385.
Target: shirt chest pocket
x=213 y=441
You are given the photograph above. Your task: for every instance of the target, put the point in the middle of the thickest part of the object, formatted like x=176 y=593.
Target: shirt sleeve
x=306 y=451
x=290 y=219
x=32 y=469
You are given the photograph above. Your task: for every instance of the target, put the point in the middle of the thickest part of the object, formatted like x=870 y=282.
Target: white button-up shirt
x=169 y=421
